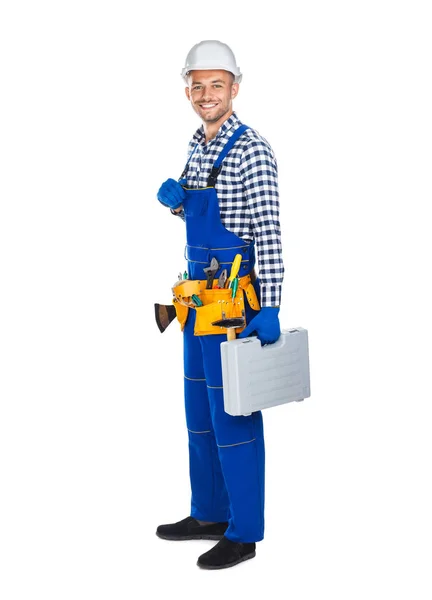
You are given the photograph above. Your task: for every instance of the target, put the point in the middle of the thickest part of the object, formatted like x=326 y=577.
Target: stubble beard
x=215 y=118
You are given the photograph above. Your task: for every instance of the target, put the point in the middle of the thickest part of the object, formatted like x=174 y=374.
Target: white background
x=92 y=434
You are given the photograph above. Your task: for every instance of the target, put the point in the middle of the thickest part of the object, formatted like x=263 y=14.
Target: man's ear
x=187 y=93
x=234 y=90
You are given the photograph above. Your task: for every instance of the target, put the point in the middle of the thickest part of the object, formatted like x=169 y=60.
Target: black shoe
x=226 y=554
x=190 y=529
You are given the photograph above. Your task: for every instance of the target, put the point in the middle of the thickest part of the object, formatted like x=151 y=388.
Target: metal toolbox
x=257 y=377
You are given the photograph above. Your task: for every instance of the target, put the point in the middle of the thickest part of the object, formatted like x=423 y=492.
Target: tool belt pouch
x=251 y=296
x=217 y=305
x=182 y=300
x=181 y=313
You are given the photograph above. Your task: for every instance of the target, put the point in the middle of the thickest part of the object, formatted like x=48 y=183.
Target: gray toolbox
x=257 y=377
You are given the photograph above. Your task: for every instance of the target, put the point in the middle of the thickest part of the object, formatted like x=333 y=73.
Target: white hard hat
x=211 y=55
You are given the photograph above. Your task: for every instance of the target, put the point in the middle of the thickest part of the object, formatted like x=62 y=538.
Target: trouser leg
x=209 y=499
x=240 y=443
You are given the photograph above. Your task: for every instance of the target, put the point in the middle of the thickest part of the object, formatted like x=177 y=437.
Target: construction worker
x=228 y=198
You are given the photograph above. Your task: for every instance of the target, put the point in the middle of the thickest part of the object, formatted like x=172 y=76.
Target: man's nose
x=206 y=93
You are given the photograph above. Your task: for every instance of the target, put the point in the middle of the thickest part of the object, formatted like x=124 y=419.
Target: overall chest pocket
x=196 y=204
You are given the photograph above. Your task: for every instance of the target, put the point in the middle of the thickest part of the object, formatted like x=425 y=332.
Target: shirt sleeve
x=191 y=148
x=180 y=213
x=259 y=175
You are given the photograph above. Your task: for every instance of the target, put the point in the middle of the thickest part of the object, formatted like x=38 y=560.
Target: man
x=228 y=198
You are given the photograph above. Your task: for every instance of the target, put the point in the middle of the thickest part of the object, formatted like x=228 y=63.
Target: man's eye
x=196 y=87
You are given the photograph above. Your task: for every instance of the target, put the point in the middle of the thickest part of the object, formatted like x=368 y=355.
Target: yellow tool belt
x=217 y=303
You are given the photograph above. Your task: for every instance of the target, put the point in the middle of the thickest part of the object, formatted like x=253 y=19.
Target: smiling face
x=211 y=94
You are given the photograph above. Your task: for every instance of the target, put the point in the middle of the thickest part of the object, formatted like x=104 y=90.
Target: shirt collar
x=233 y=122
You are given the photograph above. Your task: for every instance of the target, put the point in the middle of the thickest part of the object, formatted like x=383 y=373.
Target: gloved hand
x=265 y=324
x=171 y=194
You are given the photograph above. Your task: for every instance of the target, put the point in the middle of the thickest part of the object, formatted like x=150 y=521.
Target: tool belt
x=217 y=303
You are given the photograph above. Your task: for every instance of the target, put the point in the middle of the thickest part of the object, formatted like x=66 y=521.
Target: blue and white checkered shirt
x=247 y=190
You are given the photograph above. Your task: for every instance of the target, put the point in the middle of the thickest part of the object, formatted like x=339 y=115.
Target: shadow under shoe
x=226 y=554
x=190 y=529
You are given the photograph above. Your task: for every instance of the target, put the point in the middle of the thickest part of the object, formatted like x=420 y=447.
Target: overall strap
x=217 y=167
x=187 y=163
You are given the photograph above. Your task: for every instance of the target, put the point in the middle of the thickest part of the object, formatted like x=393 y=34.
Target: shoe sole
x=182 y=538
x=213 y=568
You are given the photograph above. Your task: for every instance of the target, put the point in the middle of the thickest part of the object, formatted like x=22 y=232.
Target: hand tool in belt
x=234 y=269
x=211 y=272
x=196 y=300
x=222 y=279
x=230 y=325
x=234 y=287
x=164 y=315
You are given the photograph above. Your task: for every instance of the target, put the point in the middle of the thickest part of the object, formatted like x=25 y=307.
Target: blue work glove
x=171 y=194
x=265 y=324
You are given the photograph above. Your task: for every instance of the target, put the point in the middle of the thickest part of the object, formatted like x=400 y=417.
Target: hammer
x=230 y=325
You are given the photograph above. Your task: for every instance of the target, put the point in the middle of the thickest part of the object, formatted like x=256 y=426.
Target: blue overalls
x=226 y=453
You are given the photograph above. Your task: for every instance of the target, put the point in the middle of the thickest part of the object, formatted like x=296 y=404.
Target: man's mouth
x=208 y=106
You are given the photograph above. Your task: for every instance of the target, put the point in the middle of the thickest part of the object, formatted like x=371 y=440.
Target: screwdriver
x=196 y=300
x=234 y=287
x=234 y=269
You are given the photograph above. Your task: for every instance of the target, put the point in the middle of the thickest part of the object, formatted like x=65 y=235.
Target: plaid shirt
x=247 y=190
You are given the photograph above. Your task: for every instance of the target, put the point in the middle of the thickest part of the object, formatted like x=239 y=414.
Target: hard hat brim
x=237 y=76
